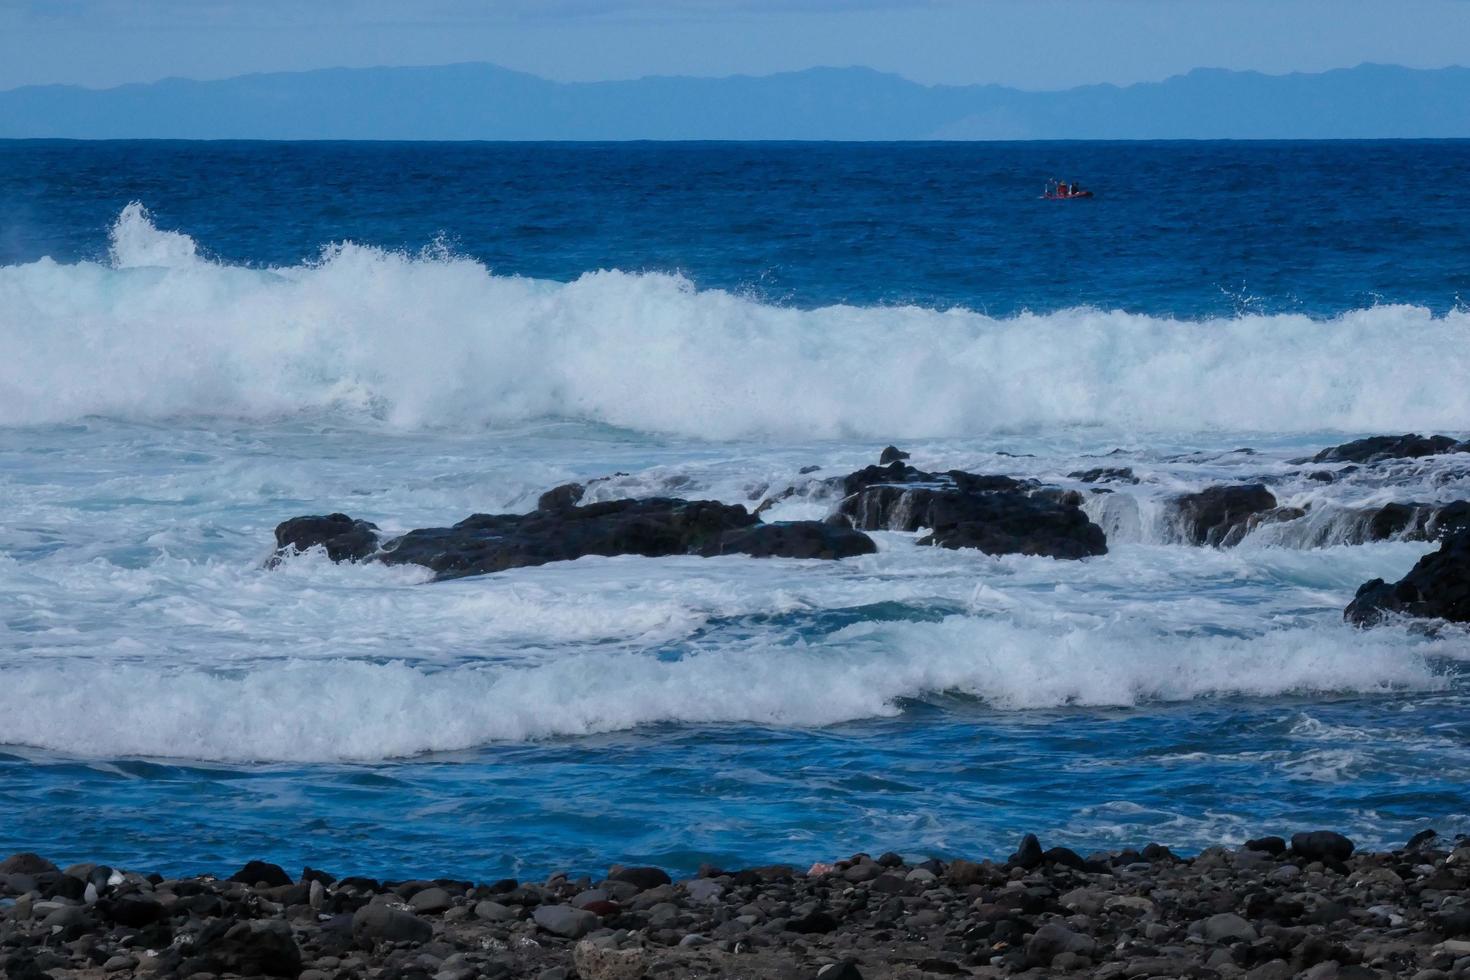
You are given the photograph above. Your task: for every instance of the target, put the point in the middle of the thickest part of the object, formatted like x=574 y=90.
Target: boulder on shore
x=1438 y=587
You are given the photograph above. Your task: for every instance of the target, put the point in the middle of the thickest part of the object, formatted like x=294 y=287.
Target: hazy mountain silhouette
x=482 y=101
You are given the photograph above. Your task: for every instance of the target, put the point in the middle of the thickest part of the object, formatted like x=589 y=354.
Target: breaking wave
x=301 y=710
x=435 y=340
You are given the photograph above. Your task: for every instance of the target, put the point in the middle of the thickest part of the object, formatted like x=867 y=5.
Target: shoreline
x=1270 y=910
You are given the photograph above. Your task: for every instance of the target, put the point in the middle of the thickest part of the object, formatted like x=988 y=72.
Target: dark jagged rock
x=996 y=514
x=1416 y=522
x=653 y=528
x=1376 y=449
x=564 y=497
x=1105 y=474
x=793 y=539
x=1221 y=515
x=256 y=872
x=562 y=530
x=1029 y=854
x=343 y=538
x=891 y=454
x=1437 y=587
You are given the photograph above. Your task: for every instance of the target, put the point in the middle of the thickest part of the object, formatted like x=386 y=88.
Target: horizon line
x=735 y=75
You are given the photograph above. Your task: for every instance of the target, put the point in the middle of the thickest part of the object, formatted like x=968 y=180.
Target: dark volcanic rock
x=560 y=530
x=344 y=538
x=1375 y=449
x=1222 y=515
x=1318 y=845
x=249 y=949
x=1029 y=854
x=1414 y=522
x=494 y=542
x=793 y=539
x=641 y=878
x=996 y=514
x=1105 y=474
x=891 y=454
x=564 y=497
x=378 y=923
x=1438 y=586
x=255 y=872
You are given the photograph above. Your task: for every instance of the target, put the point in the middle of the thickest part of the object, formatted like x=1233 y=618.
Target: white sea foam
x=328 y=710
x=440 y=341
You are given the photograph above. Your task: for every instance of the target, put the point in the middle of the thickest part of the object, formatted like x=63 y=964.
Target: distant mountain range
x=486 y=102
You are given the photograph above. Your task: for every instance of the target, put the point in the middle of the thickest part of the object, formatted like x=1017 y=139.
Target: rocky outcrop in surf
x=1223 y=515
x=994 y=514
x=1378 y=449
x=1437 y=587
x=561 y=530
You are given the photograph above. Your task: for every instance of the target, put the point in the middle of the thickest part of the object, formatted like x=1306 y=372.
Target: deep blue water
x=1180 y=228
x=415 y=332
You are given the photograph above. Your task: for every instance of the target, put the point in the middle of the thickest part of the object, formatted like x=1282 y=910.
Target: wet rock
x=562 y=531
x=343 y=538
x=1105 y=474
x=1437 y=587
x=261 y=872
x=793 y=539
x=565 y=921
x=1268 y=845
x=891 y=454
x=1376 y=449
x=482 y=543
x=1322 y=845
x=564 y=497
x=994 y=514
x=1221 y=515
x=1421 y=839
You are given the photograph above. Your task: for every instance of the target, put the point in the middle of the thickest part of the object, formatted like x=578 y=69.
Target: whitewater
x=438 y=341
x=161 y=409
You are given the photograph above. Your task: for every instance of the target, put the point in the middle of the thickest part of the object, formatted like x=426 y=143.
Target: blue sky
x=1035 y=44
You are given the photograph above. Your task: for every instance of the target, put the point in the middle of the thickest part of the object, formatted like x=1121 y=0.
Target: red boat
x=1057 y=190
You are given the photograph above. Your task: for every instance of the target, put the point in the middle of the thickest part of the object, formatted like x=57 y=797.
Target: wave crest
x=436 y=340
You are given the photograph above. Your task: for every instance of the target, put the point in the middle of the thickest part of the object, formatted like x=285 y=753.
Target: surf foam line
x=435 y=340
x=311 y=711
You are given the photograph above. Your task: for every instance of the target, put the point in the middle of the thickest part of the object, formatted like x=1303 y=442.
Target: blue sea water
x=200 y=340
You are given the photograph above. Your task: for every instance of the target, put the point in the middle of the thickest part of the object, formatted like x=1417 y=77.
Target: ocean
x=200 y=340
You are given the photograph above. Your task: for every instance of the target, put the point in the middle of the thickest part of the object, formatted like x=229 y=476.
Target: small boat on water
x=1060 y=190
